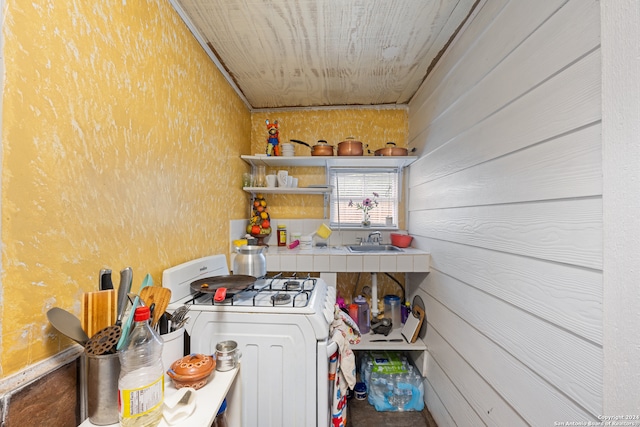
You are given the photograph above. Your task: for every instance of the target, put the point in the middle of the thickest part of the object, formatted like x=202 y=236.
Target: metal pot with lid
x=322 y=148
x=392 y=150
x=250 y=261
x=351 y=147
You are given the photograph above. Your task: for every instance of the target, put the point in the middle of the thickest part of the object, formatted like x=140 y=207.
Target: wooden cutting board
x=98 y=311
x=156 y=295
x=412 y=326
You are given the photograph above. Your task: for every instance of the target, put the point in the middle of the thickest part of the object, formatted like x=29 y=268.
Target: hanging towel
x=342 y=364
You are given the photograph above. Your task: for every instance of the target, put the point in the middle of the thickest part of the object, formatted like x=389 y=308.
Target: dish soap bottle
x=141 y=381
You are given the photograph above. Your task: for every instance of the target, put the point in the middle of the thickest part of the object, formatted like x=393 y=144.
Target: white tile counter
x=335 y=258
x=338 y=259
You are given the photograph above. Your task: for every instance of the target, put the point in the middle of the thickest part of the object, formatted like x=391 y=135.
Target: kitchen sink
x=373 y=248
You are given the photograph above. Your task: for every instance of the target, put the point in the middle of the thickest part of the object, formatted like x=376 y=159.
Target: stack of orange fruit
x=260 y=222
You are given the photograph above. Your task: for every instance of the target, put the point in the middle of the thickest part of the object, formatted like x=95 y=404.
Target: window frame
x=395 y=197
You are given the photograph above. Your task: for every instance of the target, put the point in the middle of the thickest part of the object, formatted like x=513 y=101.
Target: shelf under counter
x=367 y=342
x=417 y=350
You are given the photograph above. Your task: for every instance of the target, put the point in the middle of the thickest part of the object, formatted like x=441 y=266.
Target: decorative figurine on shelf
x=260 y=222
x=273 y=140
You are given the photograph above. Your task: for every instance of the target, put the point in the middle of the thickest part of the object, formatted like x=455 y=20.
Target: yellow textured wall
x=119 y=141
x=374 y=127
x=121 y=146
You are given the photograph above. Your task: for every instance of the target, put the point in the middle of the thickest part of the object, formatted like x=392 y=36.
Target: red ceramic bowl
x=401 y=240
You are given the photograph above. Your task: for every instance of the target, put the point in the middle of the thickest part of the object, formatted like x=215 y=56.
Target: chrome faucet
x=375 y=237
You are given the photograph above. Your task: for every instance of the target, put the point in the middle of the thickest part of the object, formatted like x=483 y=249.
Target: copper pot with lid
x=322 y=148
x=392 y=150
x=351 y=147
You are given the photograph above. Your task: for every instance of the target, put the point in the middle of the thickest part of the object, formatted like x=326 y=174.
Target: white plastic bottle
x=141 y=382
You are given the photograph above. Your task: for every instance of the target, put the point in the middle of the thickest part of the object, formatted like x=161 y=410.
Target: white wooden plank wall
x=507 y=197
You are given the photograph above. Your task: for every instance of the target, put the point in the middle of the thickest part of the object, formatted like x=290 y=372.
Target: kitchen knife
x=164 y=324
x=126 y=278
x=391 y=340
x=105 y=280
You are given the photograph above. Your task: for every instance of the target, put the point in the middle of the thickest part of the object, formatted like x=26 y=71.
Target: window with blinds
x=352 y=186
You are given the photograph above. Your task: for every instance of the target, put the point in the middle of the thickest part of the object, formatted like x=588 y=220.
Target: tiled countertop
x=337 y=259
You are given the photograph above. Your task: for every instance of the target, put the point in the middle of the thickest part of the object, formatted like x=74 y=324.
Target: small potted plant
x=367 y=205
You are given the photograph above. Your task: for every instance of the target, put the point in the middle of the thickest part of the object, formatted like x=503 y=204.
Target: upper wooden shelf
x=333 y=161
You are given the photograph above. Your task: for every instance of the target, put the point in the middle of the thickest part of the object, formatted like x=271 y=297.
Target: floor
x=362 y=414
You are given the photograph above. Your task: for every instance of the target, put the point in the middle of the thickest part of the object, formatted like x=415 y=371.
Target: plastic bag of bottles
x=393 y=383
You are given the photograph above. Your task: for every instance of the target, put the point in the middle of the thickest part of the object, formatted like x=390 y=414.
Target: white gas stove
x=281 y=325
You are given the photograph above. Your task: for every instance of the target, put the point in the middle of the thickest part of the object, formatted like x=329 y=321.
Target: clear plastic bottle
x=367 y=372
x=141 y=381
x=392 y=310
x=378 y=385
x=401 y=395
x=388 y=394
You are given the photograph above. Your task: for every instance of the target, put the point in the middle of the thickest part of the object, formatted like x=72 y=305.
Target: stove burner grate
x=291 y=285
x=271 y=291
x=280 y=299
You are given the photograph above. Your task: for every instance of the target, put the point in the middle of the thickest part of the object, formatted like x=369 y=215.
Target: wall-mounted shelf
x=288 y=190
x=394 y=162
x=332 y=161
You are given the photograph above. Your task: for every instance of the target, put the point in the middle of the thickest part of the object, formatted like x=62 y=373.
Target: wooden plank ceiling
x=309 y=53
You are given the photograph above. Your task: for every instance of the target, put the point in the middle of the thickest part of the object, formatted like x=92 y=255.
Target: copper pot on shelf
x=351 y=147
x=392 y=150
x=322 y=148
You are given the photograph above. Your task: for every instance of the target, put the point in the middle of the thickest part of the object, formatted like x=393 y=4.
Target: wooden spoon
x=160 y=297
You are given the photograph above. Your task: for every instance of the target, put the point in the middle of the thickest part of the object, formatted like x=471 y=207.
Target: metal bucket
x=250 y=260
x=102 y=388
x=227 y=355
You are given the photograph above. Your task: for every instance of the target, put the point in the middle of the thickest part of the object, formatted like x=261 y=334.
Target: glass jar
x=260 y=177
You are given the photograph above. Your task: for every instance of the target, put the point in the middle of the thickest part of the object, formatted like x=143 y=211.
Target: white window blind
x=352 y=186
